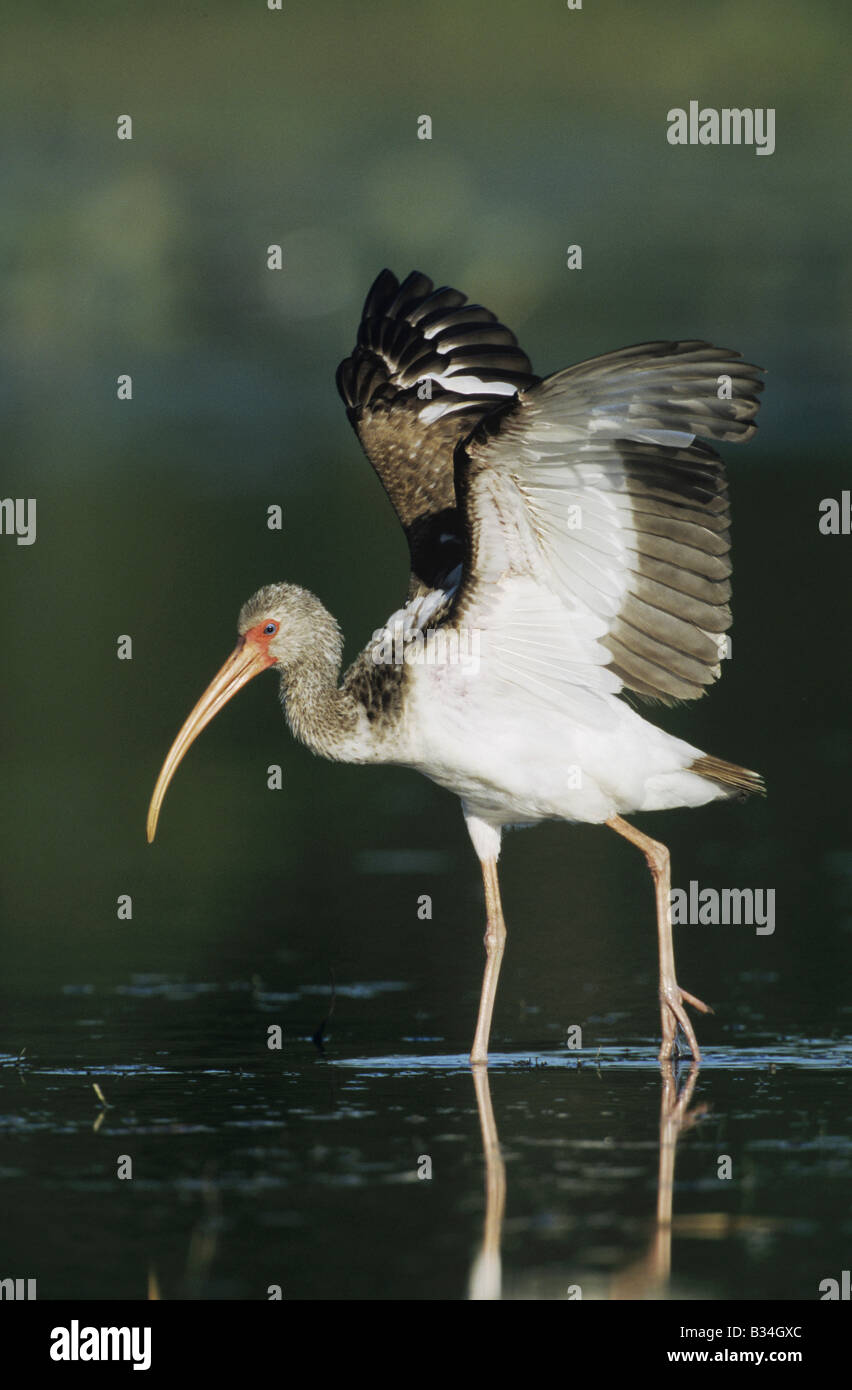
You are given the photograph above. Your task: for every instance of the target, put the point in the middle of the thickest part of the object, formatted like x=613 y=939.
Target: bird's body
x=511 y=769
x=569 y=544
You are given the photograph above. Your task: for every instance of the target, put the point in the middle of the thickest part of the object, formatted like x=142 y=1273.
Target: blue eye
x=270 y=629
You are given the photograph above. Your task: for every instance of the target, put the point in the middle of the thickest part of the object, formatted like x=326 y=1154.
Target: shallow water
x=253 y=1167
x=299 y=1167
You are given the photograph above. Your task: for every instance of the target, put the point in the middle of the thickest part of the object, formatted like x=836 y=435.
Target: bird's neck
x=324 y=716
x=320 y=715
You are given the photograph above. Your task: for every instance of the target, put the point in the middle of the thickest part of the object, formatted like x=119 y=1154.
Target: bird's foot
x=673 y=1012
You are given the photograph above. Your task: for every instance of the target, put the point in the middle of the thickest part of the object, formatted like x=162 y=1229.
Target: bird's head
x=281 y=626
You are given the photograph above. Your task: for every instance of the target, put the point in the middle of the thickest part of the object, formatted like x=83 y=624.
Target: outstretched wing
x=591 y=489
x=426 y=369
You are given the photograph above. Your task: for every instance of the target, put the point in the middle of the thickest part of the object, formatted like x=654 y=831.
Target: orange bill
x=244 y=663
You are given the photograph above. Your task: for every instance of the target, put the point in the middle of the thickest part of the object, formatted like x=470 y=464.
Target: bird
x=569 y=542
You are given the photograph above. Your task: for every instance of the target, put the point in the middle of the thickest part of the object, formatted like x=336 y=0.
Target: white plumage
x=569 y=545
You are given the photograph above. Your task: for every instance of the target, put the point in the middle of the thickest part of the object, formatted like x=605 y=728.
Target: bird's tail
x=740 y=779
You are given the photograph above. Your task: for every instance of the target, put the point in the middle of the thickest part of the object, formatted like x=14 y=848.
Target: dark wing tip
x=411 y=330
x=380 y=293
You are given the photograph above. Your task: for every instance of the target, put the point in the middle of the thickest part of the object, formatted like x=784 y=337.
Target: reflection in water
x=649 y=1276
x=204 y=1240
x=290 y=1169
x=203 y=1244
x=645 y=1278
x=485 y=1276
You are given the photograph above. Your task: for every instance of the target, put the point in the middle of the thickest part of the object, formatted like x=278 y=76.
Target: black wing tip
x=410 y=330
x=386 y=288
x=384 y=279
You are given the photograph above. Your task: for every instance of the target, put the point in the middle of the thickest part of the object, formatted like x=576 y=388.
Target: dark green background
x=149 y=257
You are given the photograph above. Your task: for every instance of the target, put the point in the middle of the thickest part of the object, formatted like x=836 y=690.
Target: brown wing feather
x=594 y=482
x=426 y=369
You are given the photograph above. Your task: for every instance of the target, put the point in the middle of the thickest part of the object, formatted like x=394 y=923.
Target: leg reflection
x=485 y=1276
x=649 y=1276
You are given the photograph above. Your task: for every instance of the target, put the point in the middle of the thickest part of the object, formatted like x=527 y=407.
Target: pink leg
x=672 y=997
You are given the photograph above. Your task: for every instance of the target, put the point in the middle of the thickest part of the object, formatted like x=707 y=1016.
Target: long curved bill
x=244 y=663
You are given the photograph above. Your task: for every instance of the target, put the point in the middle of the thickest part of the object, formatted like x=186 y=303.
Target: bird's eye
x=270 y=629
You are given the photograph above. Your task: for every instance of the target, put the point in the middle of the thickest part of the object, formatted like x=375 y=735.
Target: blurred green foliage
x=149 y=256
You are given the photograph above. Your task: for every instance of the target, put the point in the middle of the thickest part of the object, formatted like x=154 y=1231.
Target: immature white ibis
x=569 y=542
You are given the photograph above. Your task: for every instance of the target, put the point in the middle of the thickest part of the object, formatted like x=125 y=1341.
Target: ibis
x=570 y=560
